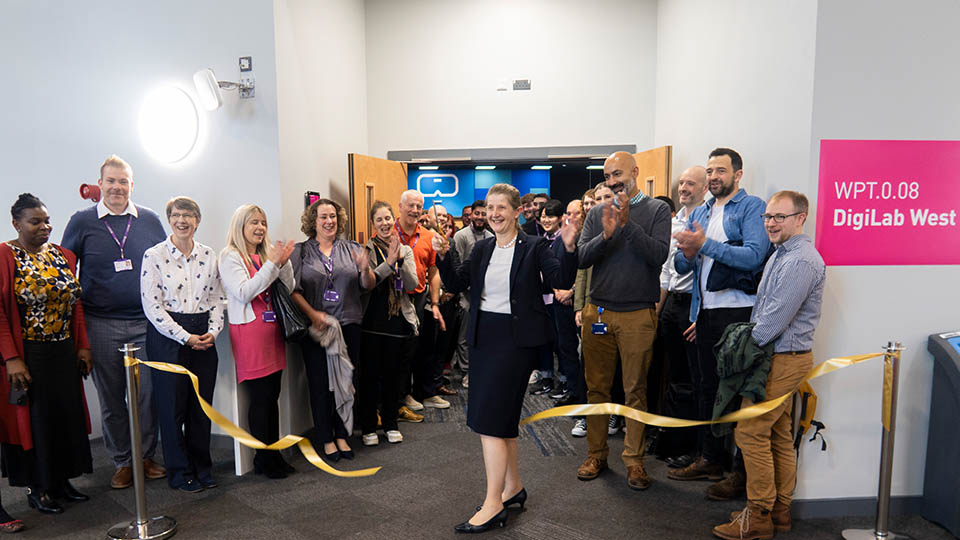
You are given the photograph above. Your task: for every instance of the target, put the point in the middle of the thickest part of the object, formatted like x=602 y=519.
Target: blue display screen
x=955 y=341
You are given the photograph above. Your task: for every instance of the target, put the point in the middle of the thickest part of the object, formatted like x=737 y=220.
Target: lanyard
x=266 y=292
x=403 y=237
x=328 y=265
x=123 y=242
x=383 y=257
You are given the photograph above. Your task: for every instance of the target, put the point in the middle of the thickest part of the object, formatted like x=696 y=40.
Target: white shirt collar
x=102 y=210
x=175 y=251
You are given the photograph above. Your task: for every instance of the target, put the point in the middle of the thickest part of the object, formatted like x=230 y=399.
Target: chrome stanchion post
x=881 y=532
x=142 y=528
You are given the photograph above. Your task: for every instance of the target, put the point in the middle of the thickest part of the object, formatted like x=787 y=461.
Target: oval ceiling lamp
x=169 y=124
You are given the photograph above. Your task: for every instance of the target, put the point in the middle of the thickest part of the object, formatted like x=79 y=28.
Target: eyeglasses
x=187 y=215
x=778 y=218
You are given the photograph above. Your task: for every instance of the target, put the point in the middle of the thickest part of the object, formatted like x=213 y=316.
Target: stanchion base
x=154 y=529
x=871 y=534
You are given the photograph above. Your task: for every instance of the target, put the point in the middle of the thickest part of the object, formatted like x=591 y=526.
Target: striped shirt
x=790 y=296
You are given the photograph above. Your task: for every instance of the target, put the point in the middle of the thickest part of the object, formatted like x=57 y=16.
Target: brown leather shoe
x=700 y=469
x=122 y=478
x=780 y=515
x=153 y=470
x=443 y=390
x=732 y=487
x=591 y=468
x=752 y=523
x=637 y=478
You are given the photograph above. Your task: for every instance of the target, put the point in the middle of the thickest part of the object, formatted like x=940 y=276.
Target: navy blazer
x=532 y=257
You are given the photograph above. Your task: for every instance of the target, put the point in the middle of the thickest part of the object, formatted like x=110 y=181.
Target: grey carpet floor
x=428 y=483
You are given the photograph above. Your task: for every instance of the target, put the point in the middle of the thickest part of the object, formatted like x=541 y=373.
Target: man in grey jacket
x=626 y=241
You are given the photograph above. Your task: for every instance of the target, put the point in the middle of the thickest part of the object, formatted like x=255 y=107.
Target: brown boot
x=780 y=516
x=700 y=469
x=637 y=477
x=591 y=468
x=753 y=523
x=731 y=487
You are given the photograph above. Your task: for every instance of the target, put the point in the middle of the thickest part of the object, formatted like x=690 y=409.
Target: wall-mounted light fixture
x=208 y=88
x=169 y=124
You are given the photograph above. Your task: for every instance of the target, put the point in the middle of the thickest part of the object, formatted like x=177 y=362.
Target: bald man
x=420 y=241
x=626 y=241
x=675 y=335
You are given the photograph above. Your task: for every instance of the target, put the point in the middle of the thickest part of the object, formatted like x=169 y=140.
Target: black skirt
x=61 y=449
x=499 y=371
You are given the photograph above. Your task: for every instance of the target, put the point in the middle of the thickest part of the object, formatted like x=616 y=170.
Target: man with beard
x=463 y=241
x=724 y=242
x=532 y=227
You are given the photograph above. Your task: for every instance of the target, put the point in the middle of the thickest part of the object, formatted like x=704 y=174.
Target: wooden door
x=372 y=179
x=655 y=171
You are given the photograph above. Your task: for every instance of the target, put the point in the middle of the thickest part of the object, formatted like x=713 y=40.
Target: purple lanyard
x=403 y=237
x=123 y=242
x=266 y=293
x=328 y=264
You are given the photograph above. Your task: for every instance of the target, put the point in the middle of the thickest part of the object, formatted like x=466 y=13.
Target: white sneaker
x=371 y=439
x=394 y=437
x=412 y=404
x=436 y=402
x=613 y=427
x=579 y=428
x=466 y=381
x=535 y=377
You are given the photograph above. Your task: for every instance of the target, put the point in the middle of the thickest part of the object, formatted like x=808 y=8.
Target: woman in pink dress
x=248 y=266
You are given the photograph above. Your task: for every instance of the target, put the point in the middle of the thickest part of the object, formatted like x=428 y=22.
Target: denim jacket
x=741 y=223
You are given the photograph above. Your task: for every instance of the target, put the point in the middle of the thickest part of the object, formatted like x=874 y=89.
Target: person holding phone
x=43 y=341
x=508 y=325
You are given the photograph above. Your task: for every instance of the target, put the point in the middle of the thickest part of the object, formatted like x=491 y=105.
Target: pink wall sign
x=889 y=202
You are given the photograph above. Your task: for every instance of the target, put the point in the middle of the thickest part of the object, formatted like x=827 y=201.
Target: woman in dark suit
x=508 y=322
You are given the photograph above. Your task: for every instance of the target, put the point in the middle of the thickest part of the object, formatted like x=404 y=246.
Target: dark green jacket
x=743 y=367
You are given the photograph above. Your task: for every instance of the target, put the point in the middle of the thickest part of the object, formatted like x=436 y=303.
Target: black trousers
x=326 y=422
x=263 y=416
x=184 y=428
x=384 y=358
x=710 y=326
x=568 y=361
x=678 y=399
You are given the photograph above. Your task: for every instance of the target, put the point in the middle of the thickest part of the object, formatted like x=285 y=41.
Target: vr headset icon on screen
x=438 y=185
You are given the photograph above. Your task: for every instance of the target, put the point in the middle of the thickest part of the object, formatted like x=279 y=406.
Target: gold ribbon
x=745 y=413
x=242 y=436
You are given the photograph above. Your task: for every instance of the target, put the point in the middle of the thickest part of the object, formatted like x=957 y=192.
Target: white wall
x=737 y=73
x=321 y=81
x=433 y=68
x=881 y=73
x=74 y=77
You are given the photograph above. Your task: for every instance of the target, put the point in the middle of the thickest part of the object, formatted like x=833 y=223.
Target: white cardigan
x=241 y=288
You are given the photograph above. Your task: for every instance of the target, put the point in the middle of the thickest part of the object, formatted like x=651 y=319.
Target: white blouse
x=172 y=281
x=496 y=282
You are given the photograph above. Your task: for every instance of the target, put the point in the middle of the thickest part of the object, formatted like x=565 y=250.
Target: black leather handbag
x=291 y=319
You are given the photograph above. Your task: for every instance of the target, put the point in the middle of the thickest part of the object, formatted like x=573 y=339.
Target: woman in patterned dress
x=43 y=342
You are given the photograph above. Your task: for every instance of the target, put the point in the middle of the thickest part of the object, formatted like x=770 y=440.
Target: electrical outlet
x=247 y=88
x=246 y=63
x=521 y=84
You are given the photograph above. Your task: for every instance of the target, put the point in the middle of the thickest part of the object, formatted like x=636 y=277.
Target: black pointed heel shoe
x=43 y=502
x=332 y=457
x=520 y=498
x=498 y=520
x=70 y=493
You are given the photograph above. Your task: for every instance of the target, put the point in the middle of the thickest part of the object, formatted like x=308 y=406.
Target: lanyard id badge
x=330 y=295
x=268 y=315
x=122 y=264
x=599 y=328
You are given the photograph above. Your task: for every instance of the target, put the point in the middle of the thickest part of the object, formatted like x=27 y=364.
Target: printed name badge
x=122 y=265
x=331 y=296
x=269 y=316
